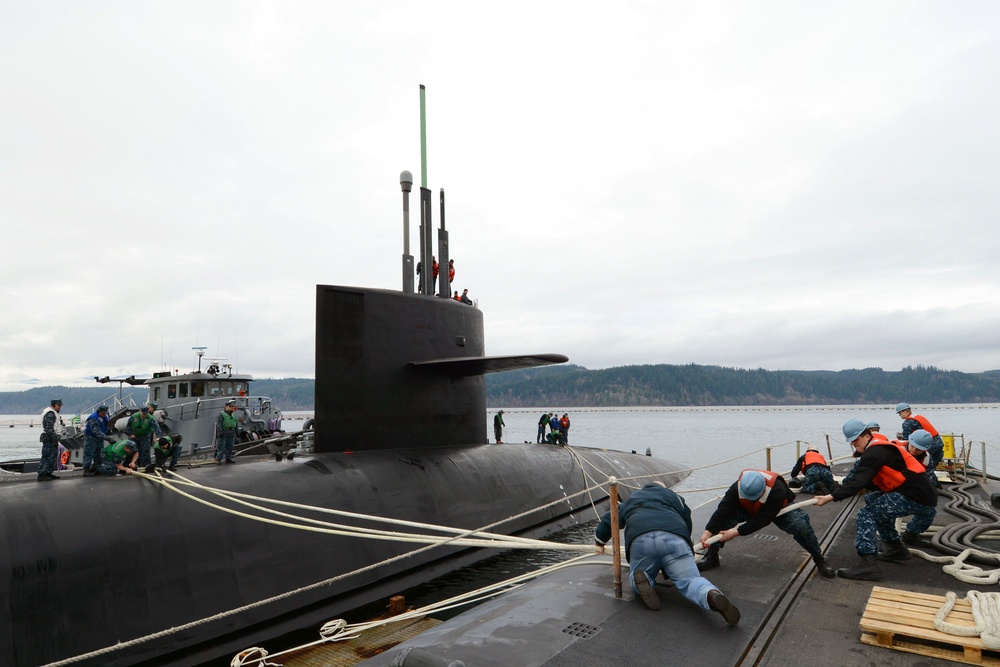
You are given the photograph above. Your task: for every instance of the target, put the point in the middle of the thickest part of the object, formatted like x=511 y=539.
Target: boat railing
x=114 y=403
x=193 y=409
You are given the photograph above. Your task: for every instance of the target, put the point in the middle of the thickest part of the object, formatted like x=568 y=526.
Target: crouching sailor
x=165 y=448
x=95 y=435
x=119 y=458
x=901 y=489
x=657 y=525
x=817 y=476
x=755 y=498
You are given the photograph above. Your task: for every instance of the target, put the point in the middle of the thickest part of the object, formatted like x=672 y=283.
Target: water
x=729 y=439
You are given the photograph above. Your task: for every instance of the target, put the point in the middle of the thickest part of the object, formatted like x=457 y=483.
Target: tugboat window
x=156 y=394
x=197 y=389
x=213 y=389
x=184 y=389
x=229 y=389
x=171 y=391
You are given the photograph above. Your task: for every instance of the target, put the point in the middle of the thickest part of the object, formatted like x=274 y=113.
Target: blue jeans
x=541 y=434
x=878 y=517
x=660 y=551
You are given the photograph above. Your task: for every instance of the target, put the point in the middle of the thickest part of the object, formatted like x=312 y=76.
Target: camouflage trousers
x=878 y=518
x=93 y=452
x=817 y=473
x=143 y=443
x=795 y=523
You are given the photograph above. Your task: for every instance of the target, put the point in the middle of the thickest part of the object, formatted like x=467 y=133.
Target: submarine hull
x=135 y=558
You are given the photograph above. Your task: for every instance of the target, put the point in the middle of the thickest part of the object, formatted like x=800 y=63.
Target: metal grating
x=581 y=630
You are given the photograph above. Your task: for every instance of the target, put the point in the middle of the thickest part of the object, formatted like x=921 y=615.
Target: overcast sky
x=783 y=185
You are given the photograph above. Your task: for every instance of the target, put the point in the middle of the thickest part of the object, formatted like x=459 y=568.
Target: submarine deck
x=789 y=613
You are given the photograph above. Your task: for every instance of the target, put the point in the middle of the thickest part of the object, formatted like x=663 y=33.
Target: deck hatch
x=581 y=630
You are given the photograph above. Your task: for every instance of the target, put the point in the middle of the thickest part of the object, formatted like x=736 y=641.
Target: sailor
x=817 y=476
x=119 y=458
x=755 y=498
x=164 y=448
x=657 y=525
x=918 y=444
x=901 y=488
x=225 y=433
x=542 y=423
x=498 y=427
x=465 y=297
x=876 y=432
x=140 y=429
x=52 y=429
x=911 y=423
x=95 y=434
x=564 y=428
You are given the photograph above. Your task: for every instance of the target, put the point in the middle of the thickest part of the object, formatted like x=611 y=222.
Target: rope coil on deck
x=985 y=612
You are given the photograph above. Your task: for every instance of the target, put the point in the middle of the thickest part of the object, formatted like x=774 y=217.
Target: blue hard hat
x=921 y=439
x=874 y=425
x=853 y=428
x=752 y=485
x=901 y=407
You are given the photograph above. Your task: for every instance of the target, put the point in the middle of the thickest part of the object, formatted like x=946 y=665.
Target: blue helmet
x=874 y=425
x=901 y=407
x=853 y=428
x=921 y=439
x=752 y=485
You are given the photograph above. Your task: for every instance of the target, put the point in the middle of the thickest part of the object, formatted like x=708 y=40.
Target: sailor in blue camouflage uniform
x=817 y=476
x=119 y=457
x=141 y=428
x=95 y=434
x=225 y=433
x=756 y=498
x=52 y=429
x=935 y=452
x=899 y=487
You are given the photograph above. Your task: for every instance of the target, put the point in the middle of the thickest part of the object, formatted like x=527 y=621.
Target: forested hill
x=575 y=386
x=663 y=384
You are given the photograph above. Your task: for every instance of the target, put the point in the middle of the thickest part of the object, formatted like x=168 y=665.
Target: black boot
x=894 y=552
x=821 y=489
x=866 y=569
x=914 y=540
x=710 y=560
x=825 y=569
x=720 y=603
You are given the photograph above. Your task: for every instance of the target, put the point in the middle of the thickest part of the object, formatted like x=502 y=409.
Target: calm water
x=716 y=442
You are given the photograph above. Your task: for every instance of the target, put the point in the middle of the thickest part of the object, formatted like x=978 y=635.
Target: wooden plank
x=955 y=654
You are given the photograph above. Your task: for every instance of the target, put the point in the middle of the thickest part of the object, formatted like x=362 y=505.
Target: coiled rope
x=985 y=612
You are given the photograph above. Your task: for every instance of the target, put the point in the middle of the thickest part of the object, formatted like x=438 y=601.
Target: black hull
x=102 y=560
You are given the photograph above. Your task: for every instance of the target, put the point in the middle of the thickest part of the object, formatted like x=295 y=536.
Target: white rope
x=985 y=613
x=964 y=572
x=805 y=503
x=340 y=630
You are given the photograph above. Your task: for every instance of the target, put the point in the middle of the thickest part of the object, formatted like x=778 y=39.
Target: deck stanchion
x=798 y=449
x=986 y=478
x=829 y=450
x=616 y=542
x=768 y=466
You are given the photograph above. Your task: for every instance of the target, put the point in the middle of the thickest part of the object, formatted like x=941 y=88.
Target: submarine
x=139 y=573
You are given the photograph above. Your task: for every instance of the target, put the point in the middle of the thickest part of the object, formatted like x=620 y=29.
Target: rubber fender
x=309 y=425
x=995 y=499
x=421 y=657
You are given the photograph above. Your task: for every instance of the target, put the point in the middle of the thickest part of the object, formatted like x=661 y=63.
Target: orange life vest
x=879 y=437
x=889 y=479
x=753 y=506
x=812 y=457
x=924 y=424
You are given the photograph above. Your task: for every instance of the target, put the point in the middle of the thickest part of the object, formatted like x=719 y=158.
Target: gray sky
x=783 y=185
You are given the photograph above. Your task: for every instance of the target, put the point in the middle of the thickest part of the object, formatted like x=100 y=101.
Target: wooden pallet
x=904 y=620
